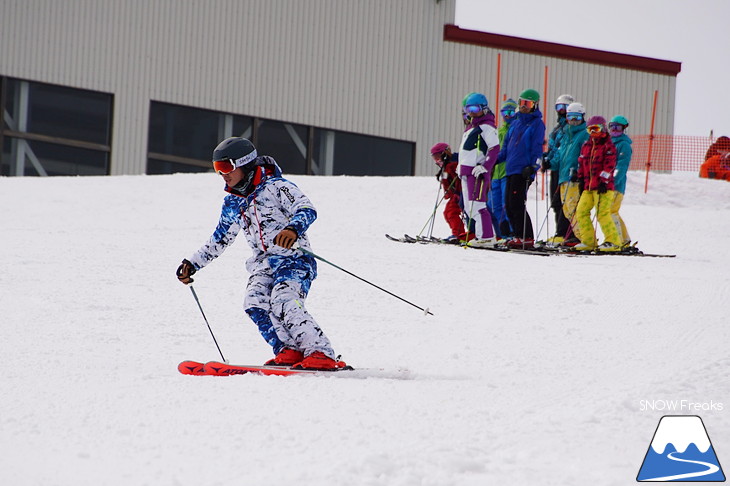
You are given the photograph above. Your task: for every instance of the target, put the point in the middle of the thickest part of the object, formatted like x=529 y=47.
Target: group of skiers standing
x=487 y=181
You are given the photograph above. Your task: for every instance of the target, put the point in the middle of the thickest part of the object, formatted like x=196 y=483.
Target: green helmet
x=621 y=120
x=530 y=94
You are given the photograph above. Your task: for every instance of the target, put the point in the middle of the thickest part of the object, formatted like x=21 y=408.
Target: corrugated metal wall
x=376 y=67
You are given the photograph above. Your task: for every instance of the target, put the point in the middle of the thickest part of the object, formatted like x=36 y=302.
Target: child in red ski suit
x=596 y=164
x=447 y=163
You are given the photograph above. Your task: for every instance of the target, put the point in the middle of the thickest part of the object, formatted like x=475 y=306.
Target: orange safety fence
x=669 y=152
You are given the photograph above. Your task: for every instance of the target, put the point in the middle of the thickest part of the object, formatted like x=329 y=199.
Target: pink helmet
x=439 y=148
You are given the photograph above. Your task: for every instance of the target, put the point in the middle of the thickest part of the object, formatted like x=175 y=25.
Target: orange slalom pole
x=544 y=148
x=651 y=142
x=499 y=77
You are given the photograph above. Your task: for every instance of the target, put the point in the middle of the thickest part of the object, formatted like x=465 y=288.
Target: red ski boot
x=318 y=361
x=286 y=357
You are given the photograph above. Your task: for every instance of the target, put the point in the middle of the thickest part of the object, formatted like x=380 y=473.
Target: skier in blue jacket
x=522 y=150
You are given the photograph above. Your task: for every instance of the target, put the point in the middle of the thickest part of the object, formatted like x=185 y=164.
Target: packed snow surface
x=533 y=370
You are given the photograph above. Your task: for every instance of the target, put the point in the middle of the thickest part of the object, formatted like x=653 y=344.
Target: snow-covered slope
x=532 y=370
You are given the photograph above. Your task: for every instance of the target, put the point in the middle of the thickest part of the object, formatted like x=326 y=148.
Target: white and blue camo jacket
x=274 y=204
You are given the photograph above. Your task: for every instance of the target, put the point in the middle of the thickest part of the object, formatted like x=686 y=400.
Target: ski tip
x=191 y=368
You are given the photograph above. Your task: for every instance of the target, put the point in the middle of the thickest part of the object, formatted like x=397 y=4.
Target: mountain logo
x=680 y=451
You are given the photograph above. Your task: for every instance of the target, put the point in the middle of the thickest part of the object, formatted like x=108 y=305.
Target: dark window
x=182 y=139
x=157 y=167
x=285 y=142
x=341 y=153
x=185 y=137
x=54 y=130
x=69 y=113
x=34 y=158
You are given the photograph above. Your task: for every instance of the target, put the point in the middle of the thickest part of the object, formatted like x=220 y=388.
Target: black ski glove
x=527 y=172
x=602 y=188
x=185 y=271
x=545 y=165
x=573 y=175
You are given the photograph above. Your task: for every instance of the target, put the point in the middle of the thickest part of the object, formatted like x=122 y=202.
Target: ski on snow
x=216 y=368
x=537 y=251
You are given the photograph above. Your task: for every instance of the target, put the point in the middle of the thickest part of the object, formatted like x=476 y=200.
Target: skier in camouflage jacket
x=274 y=214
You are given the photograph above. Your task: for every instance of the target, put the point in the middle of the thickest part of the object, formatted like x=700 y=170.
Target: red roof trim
x=454 y=33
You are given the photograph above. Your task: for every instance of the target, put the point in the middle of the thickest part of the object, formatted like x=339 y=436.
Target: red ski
x=216 y=368
x=191 y=368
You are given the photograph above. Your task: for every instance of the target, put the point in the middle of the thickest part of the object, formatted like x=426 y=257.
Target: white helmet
x=564 y=99
x=576 y=108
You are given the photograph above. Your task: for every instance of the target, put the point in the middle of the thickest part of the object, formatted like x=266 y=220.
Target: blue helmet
x=476 y=99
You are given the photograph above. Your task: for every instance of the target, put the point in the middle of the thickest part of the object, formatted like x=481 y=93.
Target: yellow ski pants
x=603 y=203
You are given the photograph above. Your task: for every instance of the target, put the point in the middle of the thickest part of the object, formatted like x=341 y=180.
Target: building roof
x=454 y=33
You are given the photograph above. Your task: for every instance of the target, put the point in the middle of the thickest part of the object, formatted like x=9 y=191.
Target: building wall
x=377 y=67
x=603 y=90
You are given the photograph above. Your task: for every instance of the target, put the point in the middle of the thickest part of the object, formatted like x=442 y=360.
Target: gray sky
x=693 y=32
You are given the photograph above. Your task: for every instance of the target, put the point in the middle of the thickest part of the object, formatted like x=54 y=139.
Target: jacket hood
x=622 y=138
x=254 y=178
x=485 y=119
x=533 y=114
x=576 y=128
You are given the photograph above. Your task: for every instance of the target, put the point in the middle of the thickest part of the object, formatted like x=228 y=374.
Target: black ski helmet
x=238 y=150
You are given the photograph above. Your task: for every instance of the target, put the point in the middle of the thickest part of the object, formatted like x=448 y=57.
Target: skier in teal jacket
x=574 y=136
x=617 y=127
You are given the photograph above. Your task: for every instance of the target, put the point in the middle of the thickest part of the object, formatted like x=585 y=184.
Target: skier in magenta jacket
x=596 y=164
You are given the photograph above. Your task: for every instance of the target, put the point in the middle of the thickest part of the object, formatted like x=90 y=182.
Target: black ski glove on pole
x=185 y=271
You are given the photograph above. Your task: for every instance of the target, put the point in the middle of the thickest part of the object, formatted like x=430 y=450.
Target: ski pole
x=435 y=208
x=432 y=218
x=471 y=207
x=206 y=322
x=524 y=214
x=425 y=311
x=548 y=200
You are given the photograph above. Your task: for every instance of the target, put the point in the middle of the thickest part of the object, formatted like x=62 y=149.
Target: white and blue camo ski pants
x=275 y=297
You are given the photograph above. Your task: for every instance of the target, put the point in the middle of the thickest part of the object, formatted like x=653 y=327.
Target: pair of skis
x=537 y=251
x=216 y=368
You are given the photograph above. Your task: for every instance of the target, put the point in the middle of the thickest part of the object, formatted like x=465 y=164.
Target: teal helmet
x=621 y=120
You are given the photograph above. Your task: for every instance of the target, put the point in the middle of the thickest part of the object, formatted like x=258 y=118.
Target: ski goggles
x=574 y=117
x=616 y=127
x=527 y=103
x=471 y=109
x=561 y=106
x=508 y=113
x=594 y=128
x=223 y=167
